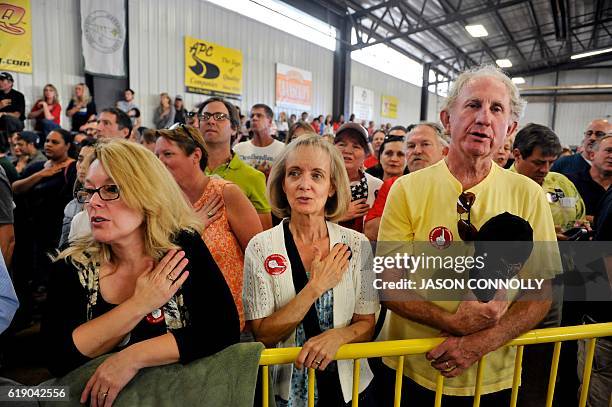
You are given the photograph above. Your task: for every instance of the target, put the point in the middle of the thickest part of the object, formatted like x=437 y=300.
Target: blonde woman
x=81 y=107
x=46 y=110
x=163 y=117
x=307 y=281
x=141 y=284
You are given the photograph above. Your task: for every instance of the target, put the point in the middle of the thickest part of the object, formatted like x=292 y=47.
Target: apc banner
x=388 y=107
x=16 y=36
x=293 y=88
x=211 y=69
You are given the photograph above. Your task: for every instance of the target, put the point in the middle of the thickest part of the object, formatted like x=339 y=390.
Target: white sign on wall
x=103 y=38
x=363 y=103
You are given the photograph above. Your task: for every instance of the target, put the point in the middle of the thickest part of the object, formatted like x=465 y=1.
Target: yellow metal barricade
x=356 y=351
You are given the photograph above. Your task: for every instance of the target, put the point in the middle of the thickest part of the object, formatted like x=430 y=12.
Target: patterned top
x=223 y=244
x=175 y=314
x=299 y=381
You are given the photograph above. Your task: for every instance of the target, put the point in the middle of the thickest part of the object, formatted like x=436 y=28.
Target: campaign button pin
x=275 y=264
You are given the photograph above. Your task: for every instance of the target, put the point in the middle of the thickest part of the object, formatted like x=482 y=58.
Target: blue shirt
x=8 y=298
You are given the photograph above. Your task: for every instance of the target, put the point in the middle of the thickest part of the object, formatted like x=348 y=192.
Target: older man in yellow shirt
x=483 y=106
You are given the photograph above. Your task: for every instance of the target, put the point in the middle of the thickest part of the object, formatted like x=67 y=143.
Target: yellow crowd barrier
x=358 y=351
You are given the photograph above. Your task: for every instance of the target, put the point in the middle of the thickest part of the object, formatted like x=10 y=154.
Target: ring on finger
x=210 y=214
x=169 y=277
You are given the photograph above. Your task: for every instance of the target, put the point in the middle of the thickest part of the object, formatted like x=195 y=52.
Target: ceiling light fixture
x=519 y=80
x=591 y=53
x=504 y=63
x=477 y=30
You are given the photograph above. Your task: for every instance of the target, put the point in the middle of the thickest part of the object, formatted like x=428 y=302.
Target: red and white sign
x=275 y=264
x=293 y=88
x=440 y=237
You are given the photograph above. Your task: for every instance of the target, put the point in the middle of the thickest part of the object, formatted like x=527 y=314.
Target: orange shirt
x=223 y=244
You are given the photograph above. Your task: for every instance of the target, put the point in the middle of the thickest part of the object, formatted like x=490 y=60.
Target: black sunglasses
x=467 y=231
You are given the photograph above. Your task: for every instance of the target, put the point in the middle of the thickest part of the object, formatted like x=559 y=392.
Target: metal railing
x=356 y=351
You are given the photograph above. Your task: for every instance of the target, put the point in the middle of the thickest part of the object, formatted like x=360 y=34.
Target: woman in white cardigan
x=307 y=281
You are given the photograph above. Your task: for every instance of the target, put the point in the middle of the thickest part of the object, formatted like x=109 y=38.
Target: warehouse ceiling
x=537 y=36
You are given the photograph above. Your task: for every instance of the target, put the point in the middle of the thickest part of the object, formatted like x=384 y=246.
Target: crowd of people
x=170 y=244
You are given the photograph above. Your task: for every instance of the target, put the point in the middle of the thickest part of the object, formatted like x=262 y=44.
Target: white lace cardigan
x=265 y=293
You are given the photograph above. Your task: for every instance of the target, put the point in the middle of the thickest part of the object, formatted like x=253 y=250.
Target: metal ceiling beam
x=593 y=42
x=450 y=69
x=446 y=6
x=452 y=18
x=435 y=31
x=532 y=38
x=369 y=10
x=510 y=36
x=568 y=65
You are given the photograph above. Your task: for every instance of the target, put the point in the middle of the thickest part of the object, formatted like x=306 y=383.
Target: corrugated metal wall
x=56 y=51
x=157 y=31
x=408 y=94
x=573 y=112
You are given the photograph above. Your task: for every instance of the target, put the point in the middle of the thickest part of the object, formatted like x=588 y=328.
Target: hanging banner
x=103 y=36
x=363 y=103
x=211 y=69
x=293 y=88
x=16 y=36
x=388 y=107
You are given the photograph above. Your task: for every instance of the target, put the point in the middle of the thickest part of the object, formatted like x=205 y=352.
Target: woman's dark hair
x=68 y=139
x=387 y=140
x=136 y=111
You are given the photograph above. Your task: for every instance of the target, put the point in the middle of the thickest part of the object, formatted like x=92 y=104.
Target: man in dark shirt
x=599 y=312
x=581 y=162
x=593 y=182
x=11 y=101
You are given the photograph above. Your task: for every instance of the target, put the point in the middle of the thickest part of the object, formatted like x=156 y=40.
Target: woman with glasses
x=391 y=159
x=142 y=284
x=229 y=218
x=307 y=280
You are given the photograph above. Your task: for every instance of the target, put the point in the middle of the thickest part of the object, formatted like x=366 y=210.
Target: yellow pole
x=356 y=367
x=478 y=390
x=264 y=386
x=311 y=387
x=516 y=379
x=586 y=376
x=439 y=387
x=399 y=375
x=553 y=374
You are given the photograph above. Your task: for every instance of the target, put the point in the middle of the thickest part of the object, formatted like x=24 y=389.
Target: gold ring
x=211 y=214
x=318 y=362
x=169 y=277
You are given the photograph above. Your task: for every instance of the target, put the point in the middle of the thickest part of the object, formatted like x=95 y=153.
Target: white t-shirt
x=260 y=158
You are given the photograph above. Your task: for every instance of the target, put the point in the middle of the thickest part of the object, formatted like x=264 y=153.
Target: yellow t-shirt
x=422 y=202
x=569 y=207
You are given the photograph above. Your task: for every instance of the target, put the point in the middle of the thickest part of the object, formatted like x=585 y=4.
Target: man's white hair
x=517 y=105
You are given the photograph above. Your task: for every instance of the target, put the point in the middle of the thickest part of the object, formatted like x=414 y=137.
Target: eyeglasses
x=218 y=116
x=106 y=193
x=597 y=134
x=467 y=231
x=190 y=115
